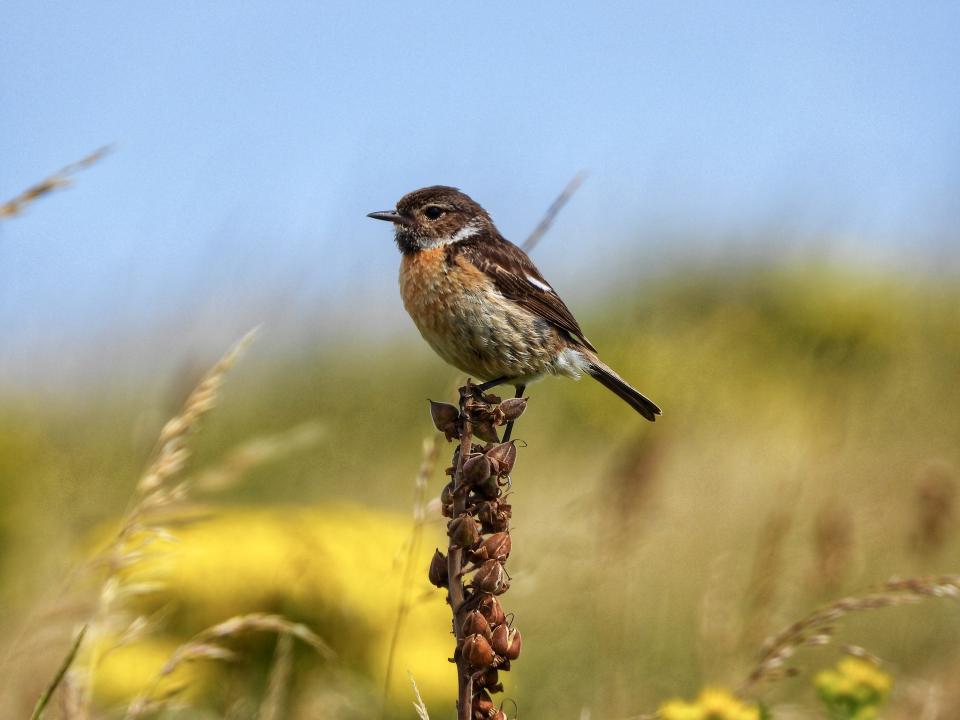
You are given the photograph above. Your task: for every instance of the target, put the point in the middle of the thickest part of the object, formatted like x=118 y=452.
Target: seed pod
x=438 y=570
x=494 y=516
x=488 y=489
x=490 y=680
x=491 y=609
x=463 y=531
x=500 y=640
x=485 y=430
x=445 y=418
x=475 y=624
x=499 y=714
x=513 y=408
x=446 y=495
x=505 y=454
x=491 y=578
x=483 y=707
x=476 y=469
x=495 y=547
x=477 y=651
x=514 y=643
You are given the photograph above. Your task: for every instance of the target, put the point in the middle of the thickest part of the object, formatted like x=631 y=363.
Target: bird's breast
x=469 y=323
x=441 y=293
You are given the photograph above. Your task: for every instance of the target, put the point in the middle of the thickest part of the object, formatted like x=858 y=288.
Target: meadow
x=807 y=452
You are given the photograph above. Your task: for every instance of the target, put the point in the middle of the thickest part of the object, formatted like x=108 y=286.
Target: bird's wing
x=515 y=275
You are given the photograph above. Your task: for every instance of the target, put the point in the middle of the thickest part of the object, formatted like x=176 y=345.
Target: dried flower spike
x=473 y=499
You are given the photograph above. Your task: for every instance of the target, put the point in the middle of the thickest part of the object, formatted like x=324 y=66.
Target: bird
x=482 y=305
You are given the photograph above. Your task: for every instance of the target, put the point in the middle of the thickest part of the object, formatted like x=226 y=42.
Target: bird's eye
x=433 y=212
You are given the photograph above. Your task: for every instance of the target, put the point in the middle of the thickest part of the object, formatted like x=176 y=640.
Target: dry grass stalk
x=936 y=497
x=833 y=545
x=428 y=462
x=56 y=181
x=272 y=707
x=141 y=537
x=474 y=500
x=765 y=578
x=556 y=206
x=418 y=705
x=69 y=705
x=630 y=486
x=208 y=645
x=818 y=628
x=58 y=677
x=720 y=616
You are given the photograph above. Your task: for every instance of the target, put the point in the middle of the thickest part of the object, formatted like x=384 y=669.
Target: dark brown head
x=434 y=216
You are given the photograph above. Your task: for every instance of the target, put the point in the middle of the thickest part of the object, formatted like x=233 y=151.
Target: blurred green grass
x=641 y=567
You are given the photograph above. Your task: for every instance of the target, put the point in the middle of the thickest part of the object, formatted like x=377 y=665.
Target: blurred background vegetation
x=807 y=450
x=766 y=245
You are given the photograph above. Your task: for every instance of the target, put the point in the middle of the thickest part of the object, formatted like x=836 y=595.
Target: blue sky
x=251 y=139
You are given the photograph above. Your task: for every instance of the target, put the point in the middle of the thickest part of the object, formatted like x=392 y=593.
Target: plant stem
x=457 y=592
x=58 y=678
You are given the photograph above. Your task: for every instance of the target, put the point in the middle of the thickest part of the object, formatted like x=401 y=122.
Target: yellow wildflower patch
x=713 y=703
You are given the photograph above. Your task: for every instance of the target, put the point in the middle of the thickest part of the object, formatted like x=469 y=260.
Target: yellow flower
x=336 y=568
x=854 y=689
x=713 y=703
x=867 y=674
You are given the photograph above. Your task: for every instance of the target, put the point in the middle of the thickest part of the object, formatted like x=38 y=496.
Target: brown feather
x=509 y=268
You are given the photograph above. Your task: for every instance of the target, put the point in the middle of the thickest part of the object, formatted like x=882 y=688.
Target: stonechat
x=482 y=305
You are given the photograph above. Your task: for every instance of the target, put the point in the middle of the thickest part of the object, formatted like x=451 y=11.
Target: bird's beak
x=390 y=216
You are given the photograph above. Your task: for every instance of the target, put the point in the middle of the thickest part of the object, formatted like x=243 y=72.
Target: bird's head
x=435 y=216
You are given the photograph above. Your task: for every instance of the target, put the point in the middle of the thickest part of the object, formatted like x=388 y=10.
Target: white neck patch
x=467 y=231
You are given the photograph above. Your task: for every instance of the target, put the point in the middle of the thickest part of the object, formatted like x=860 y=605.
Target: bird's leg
x=490 y=384
x=509 y=428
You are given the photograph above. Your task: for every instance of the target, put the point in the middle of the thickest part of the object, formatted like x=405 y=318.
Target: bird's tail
x=613 y=382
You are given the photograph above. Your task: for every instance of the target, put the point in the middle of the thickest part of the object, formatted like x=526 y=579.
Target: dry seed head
x=445 y=417
x=513 y=408
x=476 y=470
x=446 y=495
x=477 y=651
x=506 y=456
x=499 y=640
x=492 y=610
x=491 y=578
x=514 y=644
x=475 y=624
x=494 y=516
x=438 y=570
x=489 y=489
x=490 y=680
x=485 y=430
x=464 y=531
x=495 y=547
x=483 y=707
